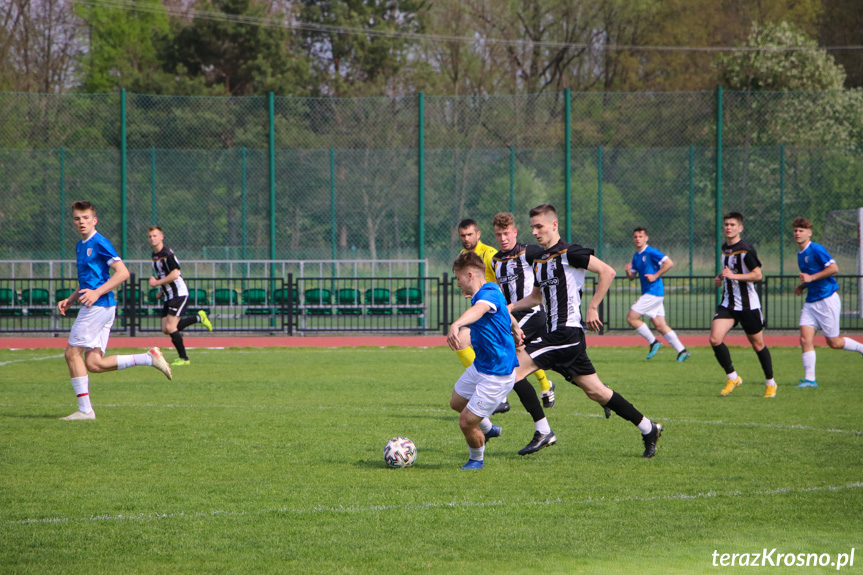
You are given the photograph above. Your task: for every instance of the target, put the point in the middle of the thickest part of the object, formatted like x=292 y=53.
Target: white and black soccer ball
x=400 y=452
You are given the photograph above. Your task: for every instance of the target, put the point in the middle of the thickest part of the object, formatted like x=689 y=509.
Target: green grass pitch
x=270 y=461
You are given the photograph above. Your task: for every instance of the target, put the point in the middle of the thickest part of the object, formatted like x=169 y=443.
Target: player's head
x=505 y=231
x=155 y=236
x=84 y=216
x=639 y=237
x=544 y=225
x=732 y=224
x=469 y=269
x=468 y=233
x=802 y=230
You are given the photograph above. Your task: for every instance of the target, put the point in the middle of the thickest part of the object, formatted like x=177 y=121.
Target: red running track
x=364 y=341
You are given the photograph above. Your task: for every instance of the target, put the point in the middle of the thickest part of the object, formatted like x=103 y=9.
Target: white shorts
x=649 y=305
x=484 y=392
x=92 y=327
x=823 y=314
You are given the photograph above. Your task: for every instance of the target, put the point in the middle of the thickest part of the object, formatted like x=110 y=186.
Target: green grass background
x=270 y=461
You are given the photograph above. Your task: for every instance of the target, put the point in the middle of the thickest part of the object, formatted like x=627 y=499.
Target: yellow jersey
x=486 y=253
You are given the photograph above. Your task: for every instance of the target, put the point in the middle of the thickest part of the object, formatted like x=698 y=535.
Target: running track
x=195 y=341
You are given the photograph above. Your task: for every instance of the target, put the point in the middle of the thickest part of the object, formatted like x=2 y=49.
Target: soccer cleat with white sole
x=539 y=441
x=650 y=440
x=769 y=391
x=495 y=431
x=160 y=363
x=730 y=384
x=548 y=396
x=807 y=383
x=79 y=416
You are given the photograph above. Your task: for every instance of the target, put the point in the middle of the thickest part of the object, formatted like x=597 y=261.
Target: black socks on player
x=177 y=338
x=527 y=394
x=766 y=362
x=624 y=409
x=187 y=321
x=723 y=356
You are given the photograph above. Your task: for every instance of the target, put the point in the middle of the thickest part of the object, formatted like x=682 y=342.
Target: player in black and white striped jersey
x=740 y=304
x=559 y=283
x=166 y=268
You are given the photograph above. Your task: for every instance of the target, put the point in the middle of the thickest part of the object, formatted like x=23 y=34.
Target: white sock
x=124 y=361
x=732 y=376
x=851 y=345
x=81 y=385
x=485 y=425
x=809 y=364
x=542 y=426
x=771 y=382
x=504 y=399
x=477 y=453
x=644 y=332
x=672 y=338
x=645 y=426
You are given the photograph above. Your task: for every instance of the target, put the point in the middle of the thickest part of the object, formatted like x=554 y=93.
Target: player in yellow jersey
x=469 y=234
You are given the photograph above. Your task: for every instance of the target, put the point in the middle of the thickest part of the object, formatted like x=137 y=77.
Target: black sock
x=624 y=409
x=187 y=321
x=766 y=362
x=177 y=338
x=527 y=394
x=723 y=356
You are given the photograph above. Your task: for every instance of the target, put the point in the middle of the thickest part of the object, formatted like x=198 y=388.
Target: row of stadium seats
x=318 y=301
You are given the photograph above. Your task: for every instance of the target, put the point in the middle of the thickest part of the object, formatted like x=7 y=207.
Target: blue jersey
x=648 y=261
x=491 y=335
x=95 y=256
x=811 y=261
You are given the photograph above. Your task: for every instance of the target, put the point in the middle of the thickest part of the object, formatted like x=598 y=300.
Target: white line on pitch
x=2 y=363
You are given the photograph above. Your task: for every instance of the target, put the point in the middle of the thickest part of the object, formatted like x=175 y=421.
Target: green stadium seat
x=256 y=297
x=280 y=298
x=409 y=296
x=376 y=297
x=351 y=299
x=226 y=296
x=198 y=301
x=318 y=297
x=37 y=301
x=8 y=303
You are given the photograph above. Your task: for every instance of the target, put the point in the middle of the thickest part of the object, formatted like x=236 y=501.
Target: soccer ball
x=400 y=452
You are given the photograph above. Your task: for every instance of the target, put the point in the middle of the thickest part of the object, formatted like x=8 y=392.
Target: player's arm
x=121 y=273
x=530 y=302
x=830 y=270
x=667 y=264
x=631 y=274
x=753 y=276
x=64 y=305
x=171 y=277
x=517 y=332
x=606 y=276
x=469 y=317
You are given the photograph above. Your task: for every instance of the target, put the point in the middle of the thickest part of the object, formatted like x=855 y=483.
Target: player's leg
x=463 y=391
x=807 y=347
x=633 y=318
x=600 y=393
x=753 y=326
x=80 y=383
x=171 y=314
x=534 y=327
x=671 y=337
x=91 y=330
x=831 y=311
x=720 y=327
x=543 y=436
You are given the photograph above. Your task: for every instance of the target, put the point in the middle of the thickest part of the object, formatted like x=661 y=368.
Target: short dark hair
x=466 y=223
x=640 y=229
x=468 y=260
x=151 y=228
x=83 y=206
x=543 y=209
x=733 y=216
x=801 y=223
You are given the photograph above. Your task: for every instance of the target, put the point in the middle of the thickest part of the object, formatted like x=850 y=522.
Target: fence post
x=243 y=192
x=445 y=315
x=718 y=191
x=290 y=298
x=512 y=179
x=153 y=182
x=333 y=205
x=62 y=207
x=272 y=153
x=691 y=210
x=599 y=197
x=421 y=179
x=123 y=207
x=132 y=302
x=568 y=165
x=781 y=212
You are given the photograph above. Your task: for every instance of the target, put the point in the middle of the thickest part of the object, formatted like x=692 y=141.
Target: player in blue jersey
x=823 y=307
x=649 y=264
x=491 y=376
x=96 y=258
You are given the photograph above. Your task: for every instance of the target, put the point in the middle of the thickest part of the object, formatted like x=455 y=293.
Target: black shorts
x=534 y=327
x=750 y=320
x=564 y=351
x=175 y=306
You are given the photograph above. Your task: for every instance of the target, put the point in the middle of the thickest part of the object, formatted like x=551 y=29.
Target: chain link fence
x=269 y=177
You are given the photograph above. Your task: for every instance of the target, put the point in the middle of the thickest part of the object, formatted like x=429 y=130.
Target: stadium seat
x=121 y=300
x=321 y=298
x=198 y=301
x=37 y=301
x=352 y=299
x=256 y=297
x=376 y=297
x=226 y=296
x=155 y=301
x=409 y=296
x=280 y=298
x=8 y=303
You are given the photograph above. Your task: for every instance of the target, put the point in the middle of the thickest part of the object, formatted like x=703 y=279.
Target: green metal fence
x=304 y=178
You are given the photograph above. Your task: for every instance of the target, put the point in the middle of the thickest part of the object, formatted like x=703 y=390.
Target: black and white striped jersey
x=164 y=262
x=559 y=273
x=513 y=272
x=740 y=258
